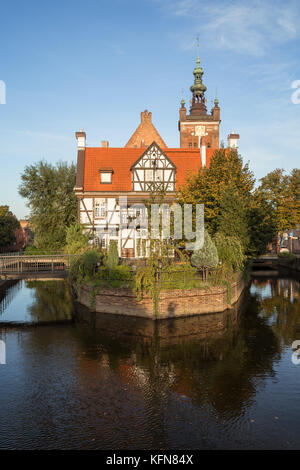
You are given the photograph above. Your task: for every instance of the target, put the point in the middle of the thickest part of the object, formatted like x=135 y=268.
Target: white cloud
x=243 y=27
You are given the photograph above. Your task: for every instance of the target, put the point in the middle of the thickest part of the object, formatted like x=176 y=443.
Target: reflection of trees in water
x=52 y=301
x=7 y=293
x=219 y=366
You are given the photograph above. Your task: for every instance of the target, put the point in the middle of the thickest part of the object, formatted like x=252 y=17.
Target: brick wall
x=145 y=134
x=173 y=303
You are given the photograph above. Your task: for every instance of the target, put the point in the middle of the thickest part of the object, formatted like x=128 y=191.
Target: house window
x=100 y=208
x=190 y=144
x=106 y=175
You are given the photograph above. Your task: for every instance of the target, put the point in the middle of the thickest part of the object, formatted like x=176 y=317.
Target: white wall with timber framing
x=101 y=217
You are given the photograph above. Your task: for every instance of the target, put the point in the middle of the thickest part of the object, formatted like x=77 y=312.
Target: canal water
x=221 y=381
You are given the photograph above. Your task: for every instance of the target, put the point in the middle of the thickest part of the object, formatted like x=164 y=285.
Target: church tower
x=199 y=128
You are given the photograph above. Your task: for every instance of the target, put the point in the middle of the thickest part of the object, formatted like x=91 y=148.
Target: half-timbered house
x=106 y=176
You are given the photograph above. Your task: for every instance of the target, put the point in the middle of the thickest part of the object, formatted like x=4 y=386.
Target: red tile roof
x=121 y=159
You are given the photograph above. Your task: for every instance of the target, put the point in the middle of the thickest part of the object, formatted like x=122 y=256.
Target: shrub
x=76 y=239
x=119 y=276
x=286 y=254
x=113 y=255
x=230 y=251
x=207 y=257
x=86 y=264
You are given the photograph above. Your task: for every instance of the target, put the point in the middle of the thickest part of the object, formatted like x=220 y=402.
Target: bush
x=76 y=239
x=207 y=257
x=121 y=273
x=86 y=264
x=32 y=250
x=113 y=255
x=119 y=276
x=230 y=251
x=286 y=254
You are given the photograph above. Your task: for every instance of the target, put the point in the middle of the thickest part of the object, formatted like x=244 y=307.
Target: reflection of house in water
x=265 y=287
x=178 y=356
x=290 y=289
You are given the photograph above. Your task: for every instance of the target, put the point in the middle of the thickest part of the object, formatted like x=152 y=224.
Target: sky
x=96 y=65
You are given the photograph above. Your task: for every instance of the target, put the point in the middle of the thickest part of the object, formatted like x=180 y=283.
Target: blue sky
x=97 y=64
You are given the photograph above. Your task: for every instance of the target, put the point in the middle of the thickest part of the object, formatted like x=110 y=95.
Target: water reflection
x=106 y=381
x=35 y=301
x=207 y=358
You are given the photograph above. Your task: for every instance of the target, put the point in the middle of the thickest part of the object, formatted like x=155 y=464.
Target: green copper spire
x=216 y=99
x=198 y=88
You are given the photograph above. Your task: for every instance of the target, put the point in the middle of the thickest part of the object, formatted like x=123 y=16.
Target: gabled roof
x=145 y=133
x=154 y=144
x=121 y=159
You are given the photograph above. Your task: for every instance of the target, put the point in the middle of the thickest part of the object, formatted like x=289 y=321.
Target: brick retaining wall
x=172 y=304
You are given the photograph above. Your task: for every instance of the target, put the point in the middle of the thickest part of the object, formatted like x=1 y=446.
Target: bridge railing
x=37 y=263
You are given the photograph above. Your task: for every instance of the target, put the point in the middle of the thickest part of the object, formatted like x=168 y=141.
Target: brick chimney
x=81 y=139
x=233 y=140
x=104 y=144
x=146 y=116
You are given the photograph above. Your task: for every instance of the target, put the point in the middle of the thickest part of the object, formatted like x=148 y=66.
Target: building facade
x=113 y=184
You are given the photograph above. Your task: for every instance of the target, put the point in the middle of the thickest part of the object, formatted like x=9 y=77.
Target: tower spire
x=198 y=88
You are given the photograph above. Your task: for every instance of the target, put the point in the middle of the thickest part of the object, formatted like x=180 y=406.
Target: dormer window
x=106 y=175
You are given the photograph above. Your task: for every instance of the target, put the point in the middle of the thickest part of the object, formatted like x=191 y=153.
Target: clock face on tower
x=200 y=131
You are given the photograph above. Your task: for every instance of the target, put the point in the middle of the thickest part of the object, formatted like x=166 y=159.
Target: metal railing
x=37 y=263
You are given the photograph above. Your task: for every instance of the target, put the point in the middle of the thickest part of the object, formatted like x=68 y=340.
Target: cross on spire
x=198 y=46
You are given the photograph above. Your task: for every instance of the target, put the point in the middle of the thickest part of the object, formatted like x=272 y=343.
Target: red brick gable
x=145 y=133
x=120 y=161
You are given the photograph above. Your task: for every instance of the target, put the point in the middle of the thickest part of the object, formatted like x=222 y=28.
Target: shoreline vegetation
x=151 y=281
x=240 y=222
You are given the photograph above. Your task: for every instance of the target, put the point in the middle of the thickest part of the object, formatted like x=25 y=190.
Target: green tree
x=232 y=219
x=208 y=185
x=8 y=224
x=76 y=239
x=113 y=255
x=282 y=192
x=207 y=256
x=261 y=223
x=52 y=202
x=230 y=251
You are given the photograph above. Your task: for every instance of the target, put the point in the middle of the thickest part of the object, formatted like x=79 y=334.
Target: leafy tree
x=232 y=218
x=51 y=199
x=230 y=251
x=76 y=239
x=282 y=193
x=207 y=256
x=113 y=255
x=261 y=223
x=208 y=185
x=8 y=224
